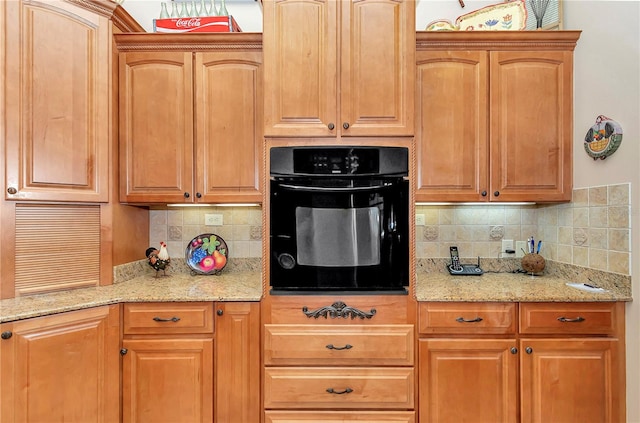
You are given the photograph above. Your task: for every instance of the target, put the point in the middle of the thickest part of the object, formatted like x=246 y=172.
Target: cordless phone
x=455 y=268
x=455 y=259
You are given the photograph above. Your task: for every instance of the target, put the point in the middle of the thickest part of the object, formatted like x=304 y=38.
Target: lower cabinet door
x=572 y=380
x=61 y=368
x=167 y=380
x=340 y=416
x=336 y=388
x=468 y=380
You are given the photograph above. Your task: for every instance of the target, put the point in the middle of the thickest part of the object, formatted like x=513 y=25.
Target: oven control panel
x=338 y=160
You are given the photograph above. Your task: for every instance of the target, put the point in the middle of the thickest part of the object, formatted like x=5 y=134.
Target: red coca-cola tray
x=196 y=24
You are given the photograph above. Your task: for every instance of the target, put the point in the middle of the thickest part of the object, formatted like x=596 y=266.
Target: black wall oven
x=339 y=219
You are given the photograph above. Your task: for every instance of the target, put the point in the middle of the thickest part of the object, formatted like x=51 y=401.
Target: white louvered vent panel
x=57 y=247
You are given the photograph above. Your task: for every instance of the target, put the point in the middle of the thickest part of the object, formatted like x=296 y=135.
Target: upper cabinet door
x=57 y=102
x=377 y=67
x=339 y=68
x=531 y=125
x=452 y=131
x=300 y=68
x=156 y=127
x=228 y=155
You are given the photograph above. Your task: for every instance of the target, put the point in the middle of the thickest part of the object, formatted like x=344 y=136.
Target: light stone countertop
x=500 y=283
x=244 y=283
x=239 y=285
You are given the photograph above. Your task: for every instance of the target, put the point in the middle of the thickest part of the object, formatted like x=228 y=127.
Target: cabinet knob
x=514 y=350
x=483 y=193
x=331 y=126
x=123 y=351
x=529 y=350
x=198 y=195
x=496 y=193
x=345 y=125
x=6 y=335
x=219 y=312
x=12 y=190
x=186 y=195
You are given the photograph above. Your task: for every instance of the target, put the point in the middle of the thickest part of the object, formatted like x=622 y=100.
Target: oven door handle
x=331 y=189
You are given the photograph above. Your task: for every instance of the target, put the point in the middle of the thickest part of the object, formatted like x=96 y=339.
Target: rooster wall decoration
x=159 y=259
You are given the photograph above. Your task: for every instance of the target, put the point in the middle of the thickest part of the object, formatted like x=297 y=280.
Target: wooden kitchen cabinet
x=468 y=365
x=572 y=362
x=339 y=68
x=190 y=118
x=237 y=362
x=563 y=362
x=494 y=116
x=63 y=367
x=338 y=358
x=184 y=363
x=167 y=362
x=57 y=82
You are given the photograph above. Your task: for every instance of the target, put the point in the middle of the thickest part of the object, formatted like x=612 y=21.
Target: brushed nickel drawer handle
x=569 y=320
x=333 y=347
x=160 y=319
x=463 y=320
x=346 y=391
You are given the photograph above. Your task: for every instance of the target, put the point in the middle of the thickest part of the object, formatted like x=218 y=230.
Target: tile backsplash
x=593 y=231
x=241 y=228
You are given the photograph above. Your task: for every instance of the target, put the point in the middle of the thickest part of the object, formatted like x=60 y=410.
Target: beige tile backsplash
x=241 y=229
x=592 y=231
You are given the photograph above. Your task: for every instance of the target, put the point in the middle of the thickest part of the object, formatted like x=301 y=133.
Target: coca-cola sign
x=188 y=23
x=196 y=24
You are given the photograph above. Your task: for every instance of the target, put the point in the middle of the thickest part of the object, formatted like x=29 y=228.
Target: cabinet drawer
x=467 y=318
x=161 y=318
x=337 y=388
x=572 y=318
x=339 y=310
x=338 y=345
x=340 y=416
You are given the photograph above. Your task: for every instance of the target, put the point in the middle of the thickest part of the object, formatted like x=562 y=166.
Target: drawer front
x=467 y=318
x=572 y=318
x=339 y=309
x=336 y=388
x=161 y=318
x=340 y=416
x=390 y=345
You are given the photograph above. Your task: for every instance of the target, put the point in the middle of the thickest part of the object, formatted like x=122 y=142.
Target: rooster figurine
x=159 y=259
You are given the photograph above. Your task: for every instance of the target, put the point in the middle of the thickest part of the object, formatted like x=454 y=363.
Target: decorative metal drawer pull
x=346 y=391
x=338 y=309
x=569 y=320
x=346 y=347
x=463 y=320
x=160 y=319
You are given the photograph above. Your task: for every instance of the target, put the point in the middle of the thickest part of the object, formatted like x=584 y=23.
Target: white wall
x=607 y=81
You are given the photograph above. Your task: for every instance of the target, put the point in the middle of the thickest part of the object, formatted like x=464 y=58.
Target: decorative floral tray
x=508 y=16
x=207 y=254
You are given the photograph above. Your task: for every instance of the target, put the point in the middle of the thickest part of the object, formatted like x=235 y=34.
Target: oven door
x=339 y=234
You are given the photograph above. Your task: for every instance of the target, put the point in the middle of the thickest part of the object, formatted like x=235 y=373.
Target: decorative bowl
x=207 y=254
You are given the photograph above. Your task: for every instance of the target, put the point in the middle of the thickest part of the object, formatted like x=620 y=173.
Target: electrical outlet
x=419 y=219
x=520 y=248
x=213 y=219
x=507 y=244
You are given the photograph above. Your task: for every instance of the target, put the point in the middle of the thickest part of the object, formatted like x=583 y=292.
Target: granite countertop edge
x=498 y=284
x=236 y=286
